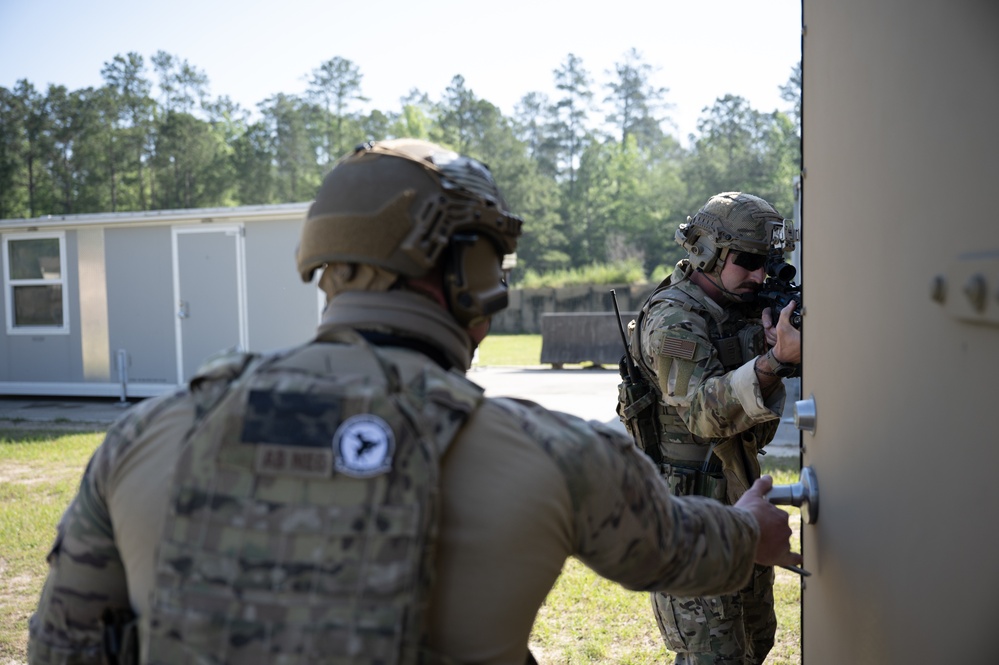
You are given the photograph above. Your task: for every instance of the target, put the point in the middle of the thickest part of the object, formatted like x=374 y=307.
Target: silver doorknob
x=804 y=414
x=804 y=494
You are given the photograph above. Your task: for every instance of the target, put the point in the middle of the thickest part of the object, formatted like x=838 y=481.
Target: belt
x=712 y=467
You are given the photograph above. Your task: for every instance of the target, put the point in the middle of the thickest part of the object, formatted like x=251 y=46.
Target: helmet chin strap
x=731 y=295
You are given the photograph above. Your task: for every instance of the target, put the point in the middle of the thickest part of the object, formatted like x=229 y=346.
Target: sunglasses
x=750 y=262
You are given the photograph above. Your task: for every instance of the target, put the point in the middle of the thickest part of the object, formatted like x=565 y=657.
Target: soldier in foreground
x=357 y=499
x=715 y=367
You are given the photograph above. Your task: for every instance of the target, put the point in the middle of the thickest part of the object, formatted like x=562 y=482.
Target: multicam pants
x=723 y=630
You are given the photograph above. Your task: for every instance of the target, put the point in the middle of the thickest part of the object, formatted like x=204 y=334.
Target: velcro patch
x=302 y=461
x=678 y=348
x=291 y=418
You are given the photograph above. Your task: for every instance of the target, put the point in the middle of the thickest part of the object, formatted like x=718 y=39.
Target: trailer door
x=209 y=293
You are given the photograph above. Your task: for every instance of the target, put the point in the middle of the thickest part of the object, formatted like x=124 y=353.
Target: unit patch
x=363 y=446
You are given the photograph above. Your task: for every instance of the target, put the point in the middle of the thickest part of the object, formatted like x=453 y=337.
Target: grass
x=515 y=351
x=39 y=474
x=510 y=350
x=585 y=619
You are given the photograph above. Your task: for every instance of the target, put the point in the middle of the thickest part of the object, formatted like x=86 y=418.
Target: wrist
x=771 y=366
x=761 y=367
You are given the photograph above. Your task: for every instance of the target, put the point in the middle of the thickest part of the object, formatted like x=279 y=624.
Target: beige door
x=900 y=267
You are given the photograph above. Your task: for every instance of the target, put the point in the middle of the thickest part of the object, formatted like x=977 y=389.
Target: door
x=209 y=293
x=900 y=271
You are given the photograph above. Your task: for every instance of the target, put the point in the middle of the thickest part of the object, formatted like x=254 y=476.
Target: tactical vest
x=305 y=508
x=736 y=341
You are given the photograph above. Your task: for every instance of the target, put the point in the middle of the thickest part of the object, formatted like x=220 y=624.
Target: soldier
x=357 y=499
x=715 y=364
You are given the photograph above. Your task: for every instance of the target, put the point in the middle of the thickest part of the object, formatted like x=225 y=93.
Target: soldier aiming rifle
x=715 y=365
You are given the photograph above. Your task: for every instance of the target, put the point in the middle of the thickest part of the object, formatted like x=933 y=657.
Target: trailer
x=129 y=304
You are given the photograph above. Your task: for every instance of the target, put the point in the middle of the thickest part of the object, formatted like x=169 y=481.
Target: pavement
x=589 y=393
x=59 y=413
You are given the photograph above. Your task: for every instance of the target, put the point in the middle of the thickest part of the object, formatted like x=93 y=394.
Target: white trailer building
x=129 y=304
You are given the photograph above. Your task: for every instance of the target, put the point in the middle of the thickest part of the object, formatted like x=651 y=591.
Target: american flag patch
x=678 y=348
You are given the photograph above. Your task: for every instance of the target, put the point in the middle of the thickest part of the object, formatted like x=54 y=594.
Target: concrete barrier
x=581 y=337
x=527 y=306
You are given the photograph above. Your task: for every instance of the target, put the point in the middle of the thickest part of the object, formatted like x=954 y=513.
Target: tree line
x=594 y=170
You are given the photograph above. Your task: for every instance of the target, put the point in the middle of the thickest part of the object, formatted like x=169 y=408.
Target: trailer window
x=36 y=294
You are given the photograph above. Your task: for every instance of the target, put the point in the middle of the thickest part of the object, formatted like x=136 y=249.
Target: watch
x=783 y=370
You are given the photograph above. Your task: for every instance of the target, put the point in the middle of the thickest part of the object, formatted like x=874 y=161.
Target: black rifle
x=779 y=289
x=638 y=399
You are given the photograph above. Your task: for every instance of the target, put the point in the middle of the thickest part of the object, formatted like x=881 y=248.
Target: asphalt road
x=590 y=394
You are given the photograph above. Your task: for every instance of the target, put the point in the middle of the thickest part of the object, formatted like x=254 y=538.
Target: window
x=35 y=267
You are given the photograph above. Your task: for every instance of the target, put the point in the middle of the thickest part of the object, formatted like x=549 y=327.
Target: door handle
x=182 y=310
x=803 y=494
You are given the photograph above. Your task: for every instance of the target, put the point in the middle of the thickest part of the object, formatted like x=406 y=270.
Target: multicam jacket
x=700 y=357
x=521 y=489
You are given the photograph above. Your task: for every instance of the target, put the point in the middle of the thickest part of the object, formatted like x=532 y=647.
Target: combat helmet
x=405 y=206
x=731 y=220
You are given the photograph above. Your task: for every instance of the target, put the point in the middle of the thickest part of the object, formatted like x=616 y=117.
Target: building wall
x=48 y=357
x=282 y=311
x=120 y=286
x=93 y=320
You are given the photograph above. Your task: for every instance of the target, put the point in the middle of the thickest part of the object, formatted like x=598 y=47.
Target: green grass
x=39 y=474
x=510 y=350
x=514 y=351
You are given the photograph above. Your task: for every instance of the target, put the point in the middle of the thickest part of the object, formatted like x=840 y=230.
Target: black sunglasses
x=750 y=262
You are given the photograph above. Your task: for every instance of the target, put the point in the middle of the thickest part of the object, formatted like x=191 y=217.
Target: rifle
x=637 y=398
x=778 y=289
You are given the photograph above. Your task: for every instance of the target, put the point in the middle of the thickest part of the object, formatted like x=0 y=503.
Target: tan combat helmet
x=732 y=220
x=405 y=205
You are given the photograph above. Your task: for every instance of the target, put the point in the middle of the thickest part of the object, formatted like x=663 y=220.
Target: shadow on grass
x=42 y=433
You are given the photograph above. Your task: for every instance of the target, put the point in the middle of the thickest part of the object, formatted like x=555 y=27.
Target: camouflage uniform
x=520 y=490
x=712 y=421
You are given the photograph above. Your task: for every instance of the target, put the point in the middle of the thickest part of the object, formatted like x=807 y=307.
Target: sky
x=700 y=49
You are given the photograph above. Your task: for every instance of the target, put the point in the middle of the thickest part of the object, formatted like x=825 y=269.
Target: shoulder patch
x=363 y=446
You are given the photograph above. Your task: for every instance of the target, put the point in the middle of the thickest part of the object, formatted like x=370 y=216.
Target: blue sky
x=250 y=50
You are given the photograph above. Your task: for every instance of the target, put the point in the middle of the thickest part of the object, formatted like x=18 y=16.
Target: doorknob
x=182 y=309
x=804 y=494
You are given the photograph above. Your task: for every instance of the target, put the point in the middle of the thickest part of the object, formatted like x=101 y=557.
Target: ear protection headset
x=474 y=278
x=701 y=245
